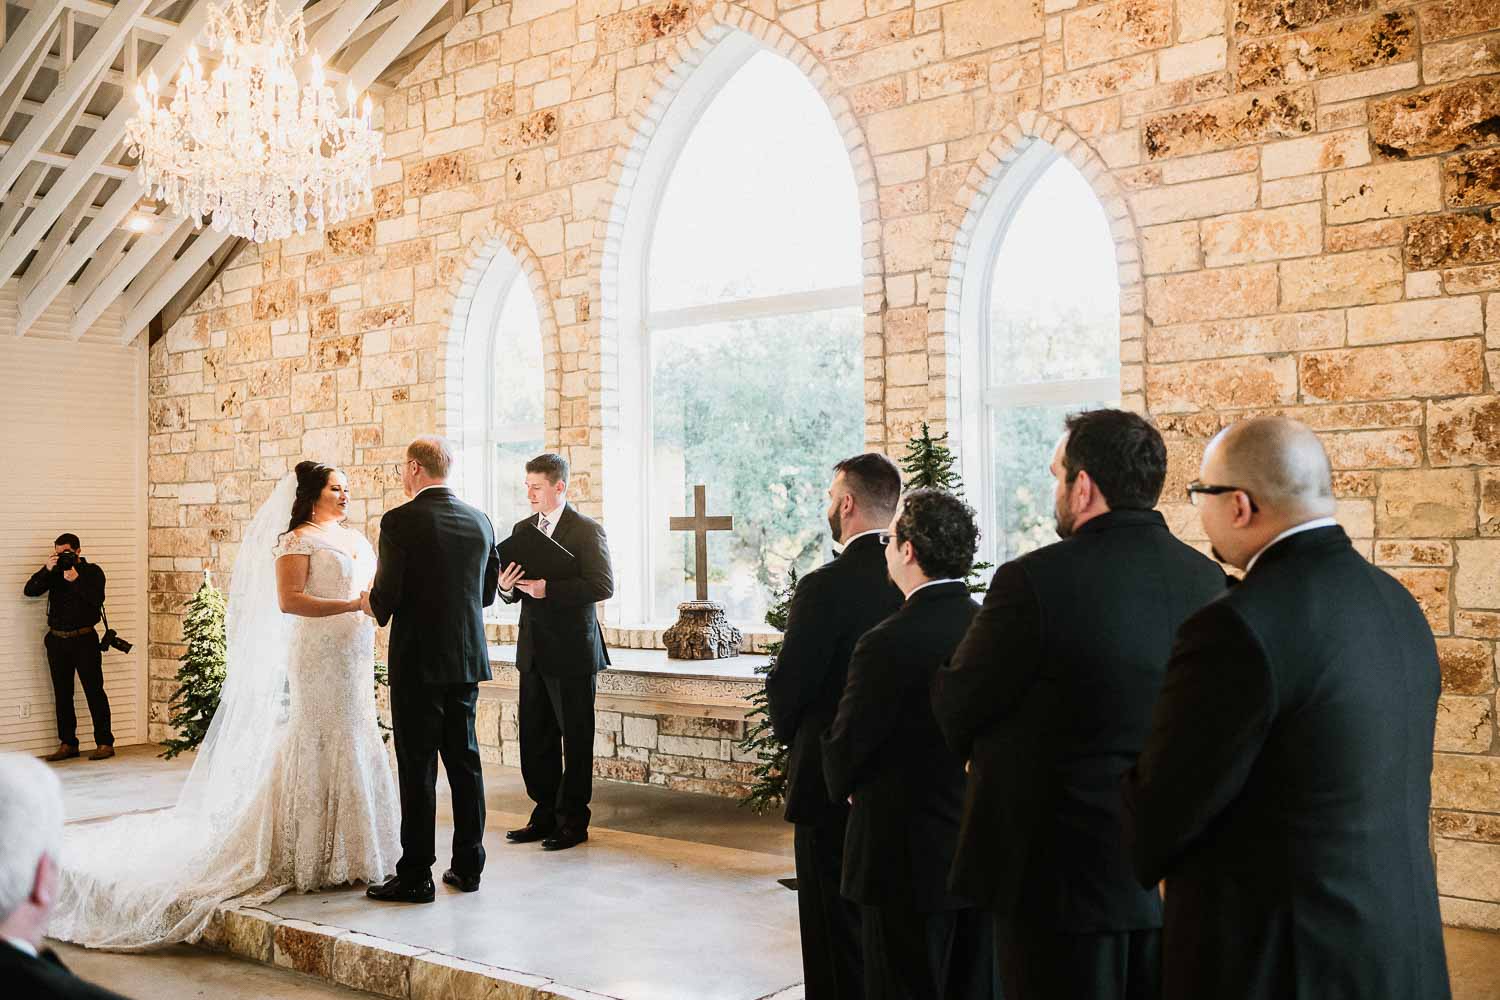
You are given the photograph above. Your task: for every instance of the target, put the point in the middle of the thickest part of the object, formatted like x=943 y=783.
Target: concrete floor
x=674 y=896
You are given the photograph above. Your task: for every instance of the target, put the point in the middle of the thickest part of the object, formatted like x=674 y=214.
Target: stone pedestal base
x=701 y=633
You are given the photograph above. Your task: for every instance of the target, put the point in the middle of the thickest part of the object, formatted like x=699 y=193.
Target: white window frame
x=629 y=470
x=496 y=284
x=980 y=394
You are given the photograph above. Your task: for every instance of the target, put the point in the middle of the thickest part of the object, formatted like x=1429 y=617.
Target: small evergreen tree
x=200 y=679
x=928 y=464
x=768 y=790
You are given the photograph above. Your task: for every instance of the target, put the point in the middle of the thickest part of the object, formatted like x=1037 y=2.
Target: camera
x=66 y=560
x=111 y=640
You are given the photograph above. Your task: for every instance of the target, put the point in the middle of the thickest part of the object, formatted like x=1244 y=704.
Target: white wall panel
x=73 y=455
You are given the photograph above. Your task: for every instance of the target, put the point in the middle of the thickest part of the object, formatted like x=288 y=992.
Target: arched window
x=503 y=395
x=741 y=333
x=1040 y=340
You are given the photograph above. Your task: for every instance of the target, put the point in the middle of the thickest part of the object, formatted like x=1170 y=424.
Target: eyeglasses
x=884 y=538
x=1196 y=489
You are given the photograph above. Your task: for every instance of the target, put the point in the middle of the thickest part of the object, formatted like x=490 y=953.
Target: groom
x=437 y=572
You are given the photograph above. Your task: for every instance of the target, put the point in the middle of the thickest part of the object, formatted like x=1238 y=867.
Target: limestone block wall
x=1305 y=198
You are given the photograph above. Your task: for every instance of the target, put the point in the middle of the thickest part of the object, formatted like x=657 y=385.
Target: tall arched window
x=741 y=334
x=503 y=392
x=1041 y=339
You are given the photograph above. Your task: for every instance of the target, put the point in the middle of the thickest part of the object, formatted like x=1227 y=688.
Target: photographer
x=75 y=602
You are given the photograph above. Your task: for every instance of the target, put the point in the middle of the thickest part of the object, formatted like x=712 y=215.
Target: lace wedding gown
x=294 y=791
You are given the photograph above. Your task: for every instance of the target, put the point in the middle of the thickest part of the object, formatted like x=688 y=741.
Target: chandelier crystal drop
x=244 y=143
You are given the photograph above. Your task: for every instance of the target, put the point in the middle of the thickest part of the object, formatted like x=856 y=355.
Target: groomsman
x=1050 y=696
x=559 y=653
x=1284 y=786
x=833 y=606
x=885 y=755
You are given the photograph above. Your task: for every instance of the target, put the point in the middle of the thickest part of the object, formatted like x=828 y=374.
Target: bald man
x=1284 y=786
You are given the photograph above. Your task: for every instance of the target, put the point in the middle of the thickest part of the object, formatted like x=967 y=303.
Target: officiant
x=559 y=652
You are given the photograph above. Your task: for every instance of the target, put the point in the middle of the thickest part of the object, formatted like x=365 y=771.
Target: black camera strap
x=105 y=616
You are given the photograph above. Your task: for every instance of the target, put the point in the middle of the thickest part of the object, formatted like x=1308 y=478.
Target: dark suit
x=884 y=749
x=833 y=607
x=44 y=978
x=1050 y=696
x=1283 y=791
x=558 y=652
x=437 y=572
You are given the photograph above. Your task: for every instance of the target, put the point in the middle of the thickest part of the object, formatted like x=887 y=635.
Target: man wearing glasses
x=1283 y=790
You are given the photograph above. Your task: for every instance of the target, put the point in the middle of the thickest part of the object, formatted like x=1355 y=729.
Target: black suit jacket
x=1284 y=788
x=832 y=607
x=885 y=749
x=560 y=634
x=1050 y=696
x=44 y=978
x=437 y=572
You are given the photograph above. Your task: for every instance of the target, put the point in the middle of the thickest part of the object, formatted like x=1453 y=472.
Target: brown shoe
x=101 y=752
x=65 y=751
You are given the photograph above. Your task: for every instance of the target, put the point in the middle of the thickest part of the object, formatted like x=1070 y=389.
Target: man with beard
x=831 y=609
x=1284 y=786
x=1049 y=698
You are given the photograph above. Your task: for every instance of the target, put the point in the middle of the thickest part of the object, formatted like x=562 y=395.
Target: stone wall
x=1306 y=199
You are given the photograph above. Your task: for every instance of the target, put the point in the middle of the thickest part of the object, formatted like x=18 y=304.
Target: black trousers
x=556 y=722
x=432 y=720
x=79 y=655
x=832 y=967
x=940 y=955
x=1036 y=964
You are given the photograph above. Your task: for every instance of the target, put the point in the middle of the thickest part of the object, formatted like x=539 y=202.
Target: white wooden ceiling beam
x=119 y=276
x=13 y=98
x=101 y=263
x=345 y=23
x=413 y=18
x=62 y=231
x=80 y=77
x=18 y=199
x=154 y=298
x=17 y=50
x=93 y=12
x=93 y=155
x=64 y=160
x=164 y=259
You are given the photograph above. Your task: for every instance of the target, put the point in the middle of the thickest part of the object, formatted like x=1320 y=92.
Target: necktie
x=542 y=523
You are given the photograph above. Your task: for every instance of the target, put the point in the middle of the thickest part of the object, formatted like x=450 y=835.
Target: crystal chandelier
x=244 y=142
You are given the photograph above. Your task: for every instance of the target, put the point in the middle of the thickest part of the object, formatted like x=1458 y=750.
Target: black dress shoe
x=468 y=883
x=564 y=839
x=393 y=890
x=530 y=833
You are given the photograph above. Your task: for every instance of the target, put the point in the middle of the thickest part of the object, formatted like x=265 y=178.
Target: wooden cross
x=701 y=524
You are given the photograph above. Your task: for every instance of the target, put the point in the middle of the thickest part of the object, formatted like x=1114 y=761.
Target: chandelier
x=244 y=143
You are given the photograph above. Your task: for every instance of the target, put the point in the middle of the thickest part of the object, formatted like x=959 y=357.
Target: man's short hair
x=942 y=531
x=433 y=454
x=551 y=465
x=68 y=538
x=873 y=481
x=31 y=824
x=1122 y=453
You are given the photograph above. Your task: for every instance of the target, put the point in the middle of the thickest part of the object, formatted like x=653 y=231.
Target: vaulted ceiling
x=79 y=240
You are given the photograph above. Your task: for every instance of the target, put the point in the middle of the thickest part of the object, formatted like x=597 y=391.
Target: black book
x=539 y=556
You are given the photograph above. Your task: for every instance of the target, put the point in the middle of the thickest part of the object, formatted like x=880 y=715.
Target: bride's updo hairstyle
x=312 y=477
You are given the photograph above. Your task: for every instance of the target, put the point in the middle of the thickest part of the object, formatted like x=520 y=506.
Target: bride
x=292 y=788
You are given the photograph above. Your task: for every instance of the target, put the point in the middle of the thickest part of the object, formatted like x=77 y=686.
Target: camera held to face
x=66 y=560
x=111 y=640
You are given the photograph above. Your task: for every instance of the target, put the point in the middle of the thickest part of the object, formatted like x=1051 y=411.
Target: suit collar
x=1110 y=520
x=1313 y=541
x=862 y=543
x=937 y=592
x=564 y=519
x=433 y=492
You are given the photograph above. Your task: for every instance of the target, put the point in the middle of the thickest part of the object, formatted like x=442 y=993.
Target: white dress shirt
x=932 y=583
x=841 y=546
x=25 y=947
x=552 y=516
x=1317 y=522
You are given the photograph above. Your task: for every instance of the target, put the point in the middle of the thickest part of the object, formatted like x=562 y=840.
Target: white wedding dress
x=292 y=788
